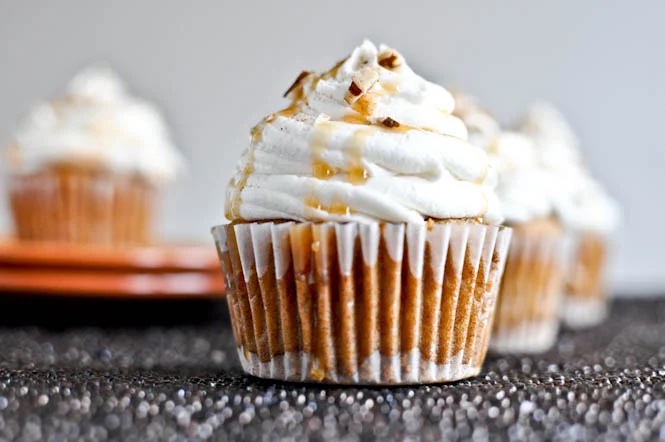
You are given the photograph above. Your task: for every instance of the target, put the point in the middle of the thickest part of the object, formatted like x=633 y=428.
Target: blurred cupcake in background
x=480 y=123
x=86 y=167
x=588 y=213
x=527 y=315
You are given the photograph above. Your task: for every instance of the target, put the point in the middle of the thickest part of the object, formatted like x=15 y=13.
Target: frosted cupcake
x=589 y=214
x=527 y=316
x=363 y=244
x=86 y=167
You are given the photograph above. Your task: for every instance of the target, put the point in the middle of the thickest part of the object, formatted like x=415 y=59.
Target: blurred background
x=217 y=67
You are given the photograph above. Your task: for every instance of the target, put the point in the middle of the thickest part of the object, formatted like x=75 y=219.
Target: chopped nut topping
x=361 y=83
x=354 y=89
x=389 y=122
x=389 y=59
x=296 y=83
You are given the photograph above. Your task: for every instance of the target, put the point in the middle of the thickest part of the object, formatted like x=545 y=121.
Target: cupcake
x=589 y=214
x=86 y=167
x=527 y=316
x=364 y=244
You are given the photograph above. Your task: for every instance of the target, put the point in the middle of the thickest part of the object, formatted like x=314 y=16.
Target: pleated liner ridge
x=585 y=300
x=527 y=314
x=354 y=303
x=81 y=206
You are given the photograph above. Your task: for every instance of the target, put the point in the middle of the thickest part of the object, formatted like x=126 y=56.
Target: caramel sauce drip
x=322 y=170
x=481 y=179
x=233 y=210
x=316 y=371
x=364 y=105
x=298 y=99
x=335 y=69
x=334 y=208
x=362 y=110
x=320 y=136
x=353 y=152
x=357 y=173
x=290 y=111
x=296 y=102
x=389 y=88
x=313 y=202
x=355 y=119
x=339 y=208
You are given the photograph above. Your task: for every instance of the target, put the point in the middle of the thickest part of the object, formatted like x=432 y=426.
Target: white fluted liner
x=358 y=303
x=585 y=302
x=527 y=314
x=526 y=337
x=583 y=312
x=81 y=207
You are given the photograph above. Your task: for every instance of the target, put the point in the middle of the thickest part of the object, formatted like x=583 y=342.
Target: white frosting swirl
x=557 y=144
x=480 y=123
x=579 y=200
x=525 y=187
x=327 y=158
x=96 y=123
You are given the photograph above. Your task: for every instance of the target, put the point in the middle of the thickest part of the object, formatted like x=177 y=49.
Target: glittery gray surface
x=181 y=380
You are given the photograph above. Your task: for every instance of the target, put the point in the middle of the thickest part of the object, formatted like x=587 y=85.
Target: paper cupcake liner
x=362 y=303
x=585 y=299
x=527 y=314
x=78 y=206
x=578 y=313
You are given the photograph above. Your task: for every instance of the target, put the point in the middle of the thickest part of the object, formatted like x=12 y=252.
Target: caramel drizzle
x=320 y=168
x=233 y=210
x=389 y=88
x=364 y=107
x=335 y=69
x=334 y=208
x=357 y=173
x=353 y=152
x=297 y=102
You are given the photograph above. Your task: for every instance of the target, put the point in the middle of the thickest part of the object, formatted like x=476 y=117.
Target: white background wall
x=216 y=67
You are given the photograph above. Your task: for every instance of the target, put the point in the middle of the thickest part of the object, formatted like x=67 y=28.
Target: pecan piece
x=389 y=122
x=389 y=59
x=301 y=77
x=361 y=83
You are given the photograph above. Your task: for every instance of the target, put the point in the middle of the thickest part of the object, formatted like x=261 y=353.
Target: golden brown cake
x=71 y=204
x=585 y=303
x=527 y=316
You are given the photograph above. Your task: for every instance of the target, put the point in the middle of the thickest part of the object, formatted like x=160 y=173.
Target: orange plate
x=157 y=258
x=160 y=271
x=77 y=283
